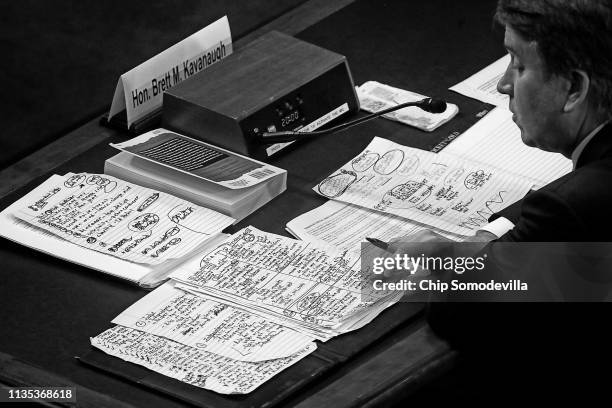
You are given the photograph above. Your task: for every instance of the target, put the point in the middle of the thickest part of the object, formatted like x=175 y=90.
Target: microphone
x=430 y=105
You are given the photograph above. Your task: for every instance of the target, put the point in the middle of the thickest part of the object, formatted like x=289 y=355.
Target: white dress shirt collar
x=584 y=142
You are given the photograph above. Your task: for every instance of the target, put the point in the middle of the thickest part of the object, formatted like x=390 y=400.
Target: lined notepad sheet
x=210 y=325
x=315 y=289
x=437 y=189
x=121 y=219
x=189 y=364
x=495 y=141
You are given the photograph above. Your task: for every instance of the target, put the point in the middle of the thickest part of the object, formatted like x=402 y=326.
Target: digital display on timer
x=291 y=119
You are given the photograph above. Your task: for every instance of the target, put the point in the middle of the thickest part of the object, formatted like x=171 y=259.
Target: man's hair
x=570 y=34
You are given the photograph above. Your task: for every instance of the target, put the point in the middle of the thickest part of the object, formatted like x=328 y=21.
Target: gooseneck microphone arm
x=428 y=104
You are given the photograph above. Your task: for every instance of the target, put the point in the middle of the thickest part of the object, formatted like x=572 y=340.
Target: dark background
x=61 y=59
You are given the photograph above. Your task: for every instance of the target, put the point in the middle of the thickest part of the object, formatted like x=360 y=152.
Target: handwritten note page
x=212 y=326
x=26 y=234
x=305 y=283
x=483 y=84
x=434 y=189
x=114 y=217
x=188 y=364
x=495 y=140
x=347 y=225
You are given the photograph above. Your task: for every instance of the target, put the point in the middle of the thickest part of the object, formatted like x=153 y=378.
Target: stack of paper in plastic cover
x=233 y=318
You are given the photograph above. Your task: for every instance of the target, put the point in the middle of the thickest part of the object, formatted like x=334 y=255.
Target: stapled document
x=347 y=225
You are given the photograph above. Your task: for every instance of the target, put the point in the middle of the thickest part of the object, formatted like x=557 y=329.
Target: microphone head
x=432 y=105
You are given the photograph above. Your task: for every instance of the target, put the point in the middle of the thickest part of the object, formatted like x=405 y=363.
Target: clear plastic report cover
x=199 y=159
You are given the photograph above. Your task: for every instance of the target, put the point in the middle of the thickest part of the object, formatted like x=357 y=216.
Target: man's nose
x=505 y=84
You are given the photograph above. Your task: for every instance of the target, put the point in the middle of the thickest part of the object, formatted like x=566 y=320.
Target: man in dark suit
x=559 y=82
x=560 y=86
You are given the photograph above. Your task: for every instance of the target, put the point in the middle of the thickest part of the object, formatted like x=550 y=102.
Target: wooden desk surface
x=394 y=366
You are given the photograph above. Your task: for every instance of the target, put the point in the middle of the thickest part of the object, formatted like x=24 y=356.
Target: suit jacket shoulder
x=576 y=207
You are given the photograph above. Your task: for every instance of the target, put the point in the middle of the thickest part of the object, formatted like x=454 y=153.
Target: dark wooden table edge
x=421 y=357
x=17 y=373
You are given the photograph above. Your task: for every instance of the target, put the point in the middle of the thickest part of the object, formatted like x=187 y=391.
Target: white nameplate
x=139 y=91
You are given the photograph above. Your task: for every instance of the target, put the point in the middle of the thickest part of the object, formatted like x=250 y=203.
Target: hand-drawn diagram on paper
x=435 y=189
x=189 y=364
x=299 y=282
x=121 y=219
x=210 y=325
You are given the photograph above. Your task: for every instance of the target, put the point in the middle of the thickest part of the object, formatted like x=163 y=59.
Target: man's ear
x=578 y=90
